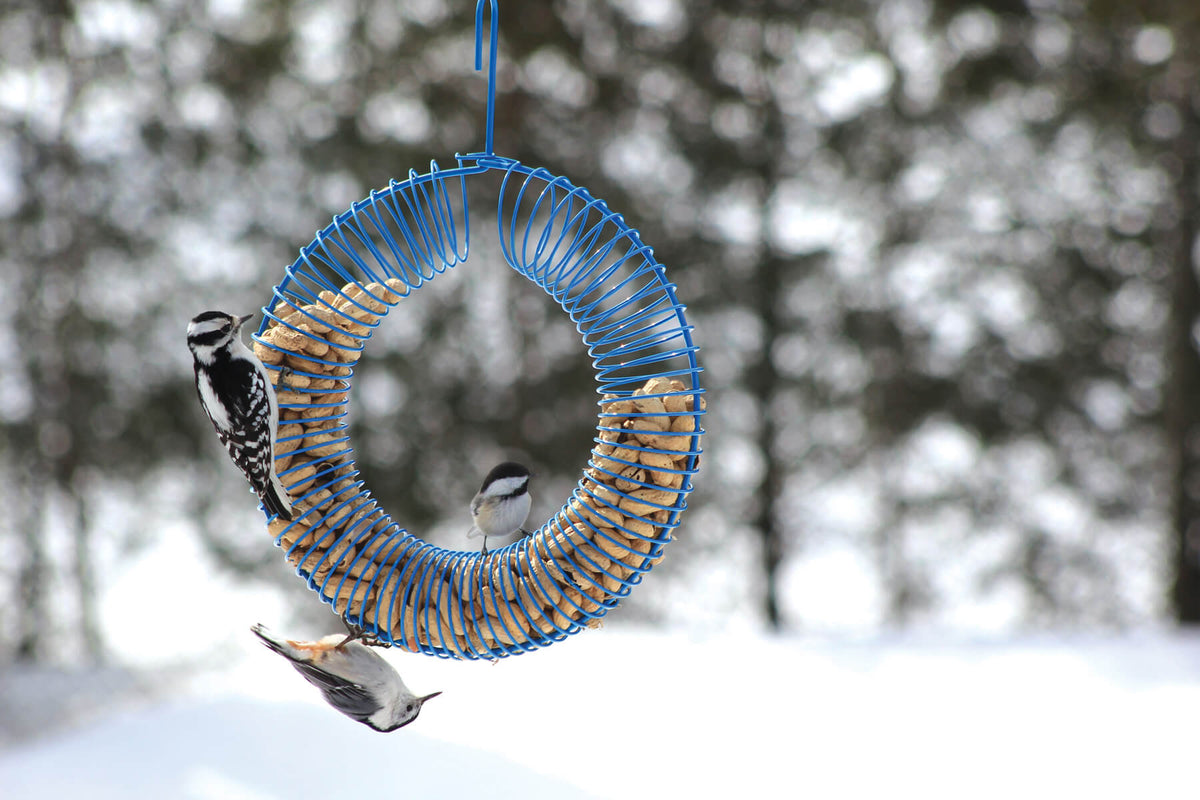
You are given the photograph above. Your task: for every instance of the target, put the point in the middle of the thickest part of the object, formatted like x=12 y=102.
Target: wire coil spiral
x=611 y=531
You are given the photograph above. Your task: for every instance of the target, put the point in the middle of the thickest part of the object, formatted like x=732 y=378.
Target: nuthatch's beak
x=242 y=320
x=428 y=697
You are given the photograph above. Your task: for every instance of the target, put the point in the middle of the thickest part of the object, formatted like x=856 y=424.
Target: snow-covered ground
x=640 y=714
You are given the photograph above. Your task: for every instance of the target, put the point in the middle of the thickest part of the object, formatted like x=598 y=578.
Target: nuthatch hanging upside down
x=355 y=679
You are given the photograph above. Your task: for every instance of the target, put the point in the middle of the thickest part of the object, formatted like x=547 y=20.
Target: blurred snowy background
x=941 y=257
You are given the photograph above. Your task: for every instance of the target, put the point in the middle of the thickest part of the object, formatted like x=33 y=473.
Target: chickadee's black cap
x=509 y=469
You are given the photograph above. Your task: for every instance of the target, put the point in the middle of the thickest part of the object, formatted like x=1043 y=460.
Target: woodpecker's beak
x=242 y=320
x=428 y=697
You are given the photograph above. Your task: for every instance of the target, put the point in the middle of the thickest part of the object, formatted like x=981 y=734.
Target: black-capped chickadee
x=502 y=504
x=355 y=679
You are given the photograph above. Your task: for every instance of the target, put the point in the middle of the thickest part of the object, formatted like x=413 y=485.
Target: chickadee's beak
x=428 y=697
x=242 y=320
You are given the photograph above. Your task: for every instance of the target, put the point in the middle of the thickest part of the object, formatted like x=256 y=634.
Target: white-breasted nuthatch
x=354 y=679
x=502 y=504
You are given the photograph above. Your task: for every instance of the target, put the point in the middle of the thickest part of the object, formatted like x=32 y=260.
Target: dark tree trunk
x=31 y=579
x=85 y=586
x=763 y=379
x=1183 y=387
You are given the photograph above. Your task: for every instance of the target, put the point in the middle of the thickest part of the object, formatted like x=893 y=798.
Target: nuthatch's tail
x=281 y=646
x=310 y=653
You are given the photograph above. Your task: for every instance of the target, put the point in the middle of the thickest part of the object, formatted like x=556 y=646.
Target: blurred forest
x=941 y=258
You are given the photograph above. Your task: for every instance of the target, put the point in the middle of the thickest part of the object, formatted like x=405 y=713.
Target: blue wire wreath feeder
x=380 y=577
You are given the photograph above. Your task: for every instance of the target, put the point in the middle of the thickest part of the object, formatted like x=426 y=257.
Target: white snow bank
x=645 y=715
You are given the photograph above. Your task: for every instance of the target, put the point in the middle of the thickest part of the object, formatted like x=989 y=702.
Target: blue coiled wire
x=595 y=266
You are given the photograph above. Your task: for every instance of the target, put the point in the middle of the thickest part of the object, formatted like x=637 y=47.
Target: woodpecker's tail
x=275 y=499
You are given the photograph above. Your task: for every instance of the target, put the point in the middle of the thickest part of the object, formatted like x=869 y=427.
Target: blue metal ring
x=610 y=532
x=612 y=529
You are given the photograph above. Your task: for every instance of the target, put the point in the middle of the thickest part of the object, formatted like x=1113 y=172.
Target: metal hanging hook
x=491 y=86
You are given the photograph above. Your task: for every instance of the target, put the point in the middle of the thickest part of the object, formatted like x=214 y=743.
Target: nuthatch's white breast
x=502 y=504
x=354 y=679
